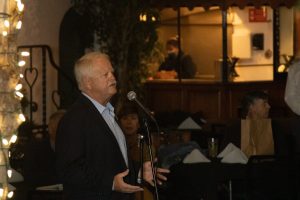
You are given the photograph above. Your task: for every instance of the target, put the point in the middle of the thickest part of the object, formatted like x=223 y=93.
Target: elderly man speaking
x=91 y=150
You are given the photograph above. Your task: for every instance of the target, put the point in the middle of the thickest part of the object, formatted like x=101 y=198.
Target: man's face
x=259 y=109
x=172 y=50
x=102 y=83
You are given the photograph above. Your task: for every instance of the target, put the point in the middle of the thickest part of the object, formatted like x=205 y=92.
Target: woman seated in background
x=256 y=133
x=129 y=119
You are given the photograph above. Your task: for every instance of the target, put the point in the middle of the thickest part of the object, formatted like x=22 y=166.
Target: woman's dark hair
x=249 y=99
x=127 y=108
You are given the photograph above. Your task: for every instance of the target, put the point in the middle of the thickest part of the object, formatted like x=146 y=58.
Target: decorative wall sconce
x=288 y=61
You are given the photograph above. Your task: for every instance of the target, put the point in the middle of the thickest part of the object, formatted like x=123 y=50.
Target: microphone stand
x=141 y=155
x=141 y=148
x=132 y=97
x=149 y=145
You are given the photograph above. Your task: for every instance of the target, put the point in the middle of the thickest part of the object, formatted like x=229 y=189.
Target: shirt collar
x=100 y=107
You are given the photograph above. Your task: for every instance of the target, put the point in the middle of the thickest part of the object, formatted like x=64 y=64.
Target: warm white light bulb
x=19 y=25
x=18 y=87
x=9 y=173
x=10 y=194
x=19 y=94
x=143 y=17
x=281 y=68
x=1 y=192
x=5 y=141
x=153 y=18
x=21 y=75
x=6 y=23
x=25 y=53
x=21 y=63
x=4 y=33
x=13 y=139
x=22 y=117
x=20 y=6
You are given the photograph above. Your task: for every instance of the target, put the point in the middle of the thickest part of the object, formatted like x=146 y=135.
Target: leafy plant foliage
x=124 y=36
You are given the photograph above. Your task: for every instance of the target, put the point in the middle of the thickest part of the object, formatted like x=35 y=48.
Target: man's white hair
x=84 y=66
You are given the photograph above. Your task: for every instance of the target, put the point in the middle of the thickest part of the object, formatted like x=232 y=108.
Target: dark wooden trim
x=217 y=101
x=224 y=4
x=224 y=47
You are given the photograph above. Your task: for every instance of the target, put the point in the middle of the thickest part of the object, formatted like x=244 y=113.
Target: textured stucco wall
x=41 y=24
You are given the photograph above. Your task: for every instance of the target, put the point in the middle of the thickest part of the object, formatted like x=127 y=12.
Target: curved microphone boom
x=132 y=97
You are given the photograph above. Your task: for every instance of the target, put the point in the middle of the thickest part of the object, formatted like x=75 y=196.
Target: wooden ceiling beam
x=224 y=4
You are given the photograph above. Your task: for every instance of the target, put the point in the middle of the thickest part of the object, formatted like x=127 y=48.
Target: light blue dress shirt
x=108 y=114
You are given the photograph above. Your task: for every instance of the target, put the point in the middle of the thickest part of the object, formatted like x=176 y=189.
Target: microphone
x=132 y=97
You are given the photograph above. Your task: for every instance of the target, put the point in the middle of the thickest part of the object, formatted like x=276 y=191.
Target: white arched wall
x=41 y=24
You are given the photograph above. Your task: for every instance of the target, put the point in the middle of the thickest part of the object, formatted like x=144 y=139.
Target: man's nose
x=112 y=75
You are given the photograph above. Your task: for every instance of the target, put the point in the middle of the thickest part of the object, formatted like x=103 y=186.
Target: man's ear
x=86 y=83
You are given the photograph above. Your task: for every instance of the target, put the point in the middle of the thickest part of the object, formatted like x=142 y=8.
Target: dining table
x=204 y=180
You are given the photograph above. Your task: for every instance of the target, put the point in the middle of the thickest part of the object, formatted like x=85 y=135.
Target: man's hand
x=121 y=186
x=148 y=176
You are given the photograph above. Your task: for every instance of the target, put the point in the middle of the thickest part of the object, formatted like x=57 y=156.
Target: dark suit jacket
x=88 y=155
x=233 y=135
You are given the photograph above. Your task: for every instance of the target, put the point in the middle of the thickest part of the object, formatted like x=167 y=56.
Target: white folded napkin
x=51 y=187
x=230 y=147
x=195 y=156
x=189 y=123
x=232 y=154
x=235 y=156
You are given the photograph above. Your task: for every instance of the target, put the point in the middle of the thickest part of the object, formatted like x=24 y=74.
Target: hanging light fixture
x=10 y=85
x=288 y=61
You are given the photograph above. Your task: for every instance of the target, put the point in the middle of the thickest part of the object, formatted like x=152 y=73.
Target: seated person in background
x=292 y=90
x=129 y=117
x=292 y=99
x=186 y=136
x=256 y=133
x=39 y=156
x=170 y=68
x=52 y=126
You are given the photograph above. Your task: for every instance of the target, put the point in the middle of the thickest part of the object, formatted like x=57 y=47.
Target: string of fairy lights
x=11 y=116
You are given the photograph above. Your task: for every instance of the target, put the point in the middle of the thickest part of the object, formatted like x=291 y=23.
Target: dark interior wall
x=74 y=38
